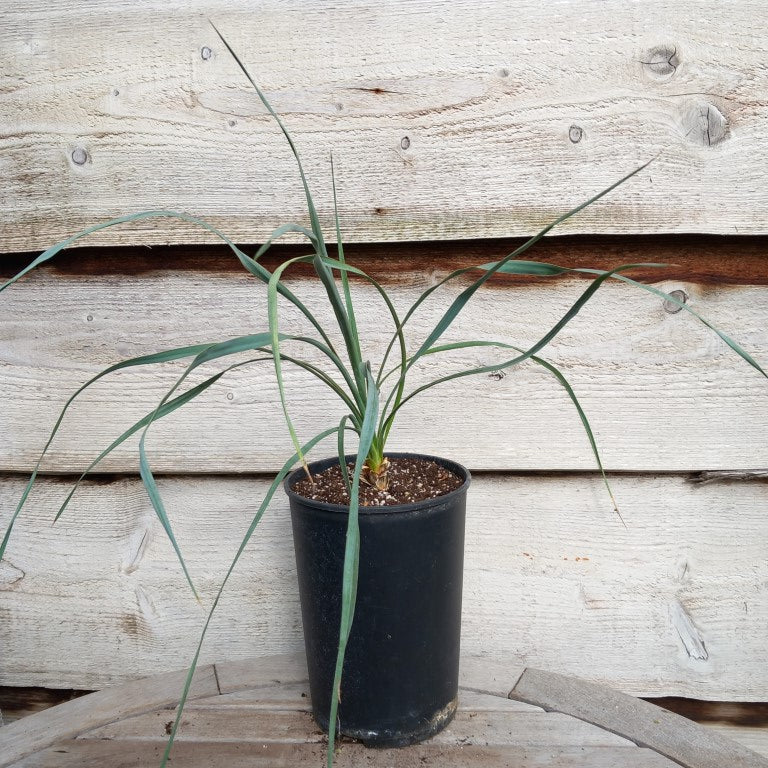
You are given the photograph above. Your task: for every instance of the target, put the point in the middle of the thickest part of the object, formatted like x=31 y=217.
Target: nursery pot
x=400 y=676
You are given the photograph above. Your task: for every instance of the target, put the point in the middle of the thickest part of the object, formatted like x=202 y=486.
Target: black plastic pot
x=400 y=676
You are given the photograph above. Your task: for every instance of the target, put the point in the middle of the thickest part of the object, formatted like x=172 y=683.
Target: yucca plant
x=373 y=392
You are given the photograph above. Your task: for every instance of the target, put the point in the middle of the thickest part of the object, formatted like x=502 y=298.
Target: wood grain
x=553 y=580
x=264 y=712
x=755 y=739
x=506 y=118
x=681 y=740
x=80 y=753
x=704 y=259
x=266 y=717
x=663 y=392
x=73 y=717
x=215 y=724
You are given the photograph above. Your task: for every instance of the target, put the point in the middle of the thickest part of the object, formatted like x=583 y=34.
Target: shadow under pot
x=400 y=676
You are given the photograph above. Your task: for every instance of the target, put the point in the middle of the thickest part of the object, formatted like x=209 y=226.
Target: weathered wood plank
x=266 y=670
x=755 y=739
x=675 y=604
x=686 y=400
x=148 y=110
x=487 y=675
x=295 y=697
x=96 y=754
x=744 y=723
x=275 y=714
x=73 y=717
x=522 y=729
x=685 y=742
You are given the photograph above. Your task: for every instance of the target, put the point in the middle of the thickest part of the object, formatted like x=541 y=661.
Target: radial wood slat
x=685 y=742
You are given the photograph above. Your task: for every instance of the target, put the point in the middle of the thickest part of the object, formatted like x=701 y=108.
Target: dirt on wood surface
x=409 y=480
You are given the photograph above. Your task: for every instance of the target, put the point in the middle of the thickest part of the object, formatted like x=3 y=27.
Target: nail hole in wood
x=575 y=134
x=79 y=156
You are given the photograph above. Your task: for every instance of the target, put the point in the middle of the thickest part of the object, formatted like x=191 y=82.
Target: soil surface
x=410 y=480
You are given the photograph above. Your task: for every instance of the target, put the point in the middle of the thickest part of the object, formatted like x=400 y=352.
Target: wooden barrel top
x=256 y=713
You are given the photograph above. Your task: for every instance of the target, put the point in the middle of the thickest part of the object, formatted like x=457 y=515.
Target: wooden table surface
x=256 y=713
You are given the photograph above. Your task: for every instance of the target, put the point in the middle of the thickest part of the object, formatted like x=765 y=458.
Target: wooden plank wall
x=454 y=128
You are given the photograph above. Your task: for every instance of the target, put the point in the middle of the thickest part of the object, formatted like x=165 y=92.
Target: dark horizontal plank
x=705 y=259
x=18 y=701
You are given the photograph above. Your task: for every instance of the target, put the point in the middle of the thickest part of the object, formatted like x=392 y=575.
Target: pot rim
x=343 y=509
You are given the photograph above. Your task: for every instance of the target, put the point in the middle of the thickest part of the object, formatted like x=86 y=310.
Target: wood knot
x=661 y=62
x=671 y=304
x=703 y=123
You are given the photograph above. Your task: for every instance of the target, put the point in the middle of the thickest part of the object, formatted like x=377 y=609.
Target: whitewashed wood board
x=468 y=120
x=662 y=391
x=674 y=604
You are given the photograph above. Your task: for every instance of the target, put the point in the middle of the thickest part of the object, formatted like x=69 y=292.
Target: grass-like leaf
x=274 y=336
x=155 y=415
x=540 y=344
x=461 y=300
x=157 y=504
x=563 y=381
x=322 y=270
x=222 y=349
x=350 y=308
x=274 y=485
x=352 y=555
x=732 y=343
x=343 y=454
x=159 y=357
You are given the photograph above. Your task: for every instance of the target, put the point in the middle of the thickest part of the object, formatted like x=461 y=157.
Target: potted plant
x=378 y=537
